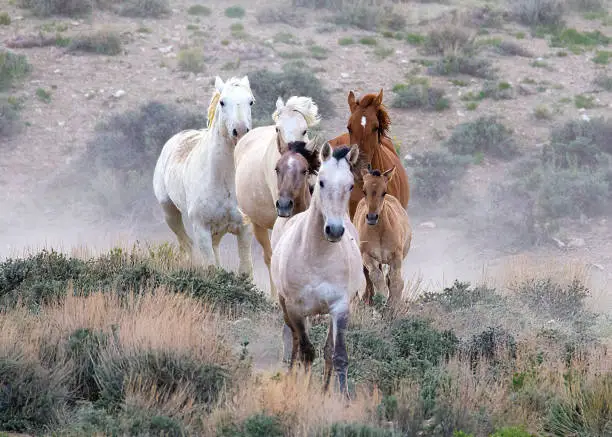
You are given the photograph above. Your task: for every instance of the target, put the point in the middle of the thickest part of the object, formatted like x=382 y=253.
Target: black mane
x=311 y=156
x=341 y=152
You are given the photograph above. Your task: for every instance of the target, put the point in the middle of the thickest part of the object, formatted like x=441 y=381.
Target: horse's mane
x=214 y=101
x=384 y=121
x=311 y=156
x=305 y=106
x=374 y=172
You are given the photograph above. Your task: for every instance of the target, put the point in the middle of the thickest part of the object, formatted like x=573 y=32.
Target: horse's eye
x=374 y=129
x=304 y=133
x=351 y=189
x=276 y=130
x=222 y=103
x=276 y=170
x=321 y=184
x=349 y=130
x=251 y=103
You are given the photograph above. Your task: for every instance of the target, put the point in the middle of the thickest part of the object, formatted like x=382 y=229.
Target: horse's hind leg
x=174 y=220
x=216 y=240
x=204 y=241
x=262 y=236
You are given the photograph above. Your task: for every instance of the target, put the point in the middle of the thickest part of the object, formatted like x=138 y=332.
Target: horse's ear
x=279 y=103
x=326 y=152
x=245 y=81
x=389 y=174
x=352 y=102
x=219 y=84
x=379 y=98
x=353 y=155
x=311 y=145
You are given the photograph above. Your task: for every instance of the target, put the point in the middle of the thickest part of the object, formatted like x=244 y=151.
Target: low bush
x=234 y=12
x=497 y=90
x=5 y=19
x=355 y=430
x=557 y=300
x=102 y=43
x=286 y=15
x=486 y=135
x=45 y=277
x=13 y=67
x=9 y=117
x=462 y=64
x=257 y=425
x=268 y=85
x=145 y=8
x=434 y=173
x=32 y=397
x=191 y=60
x=419 y=96
x=538 y=12
x=449 y=40
x=70 y=8
x=200 y=10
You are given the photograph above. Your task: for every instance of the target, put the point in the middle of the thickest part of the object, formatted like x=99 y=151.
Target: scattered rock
x=118 y=94
x=408 y=157
x=344 y=75
x=460 y=114
x=576 y=242
x=429 y=225
x=560 y=243
x=167 y=49
x=586 y=117
x=526 y=90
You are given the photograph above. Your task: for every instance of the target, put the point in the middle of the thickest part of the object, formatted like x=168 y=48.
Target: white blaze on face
x=363 y=121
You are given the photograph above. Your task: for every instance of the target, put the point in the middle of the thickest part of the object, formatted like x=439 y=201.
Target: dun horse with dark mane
x=368 y=127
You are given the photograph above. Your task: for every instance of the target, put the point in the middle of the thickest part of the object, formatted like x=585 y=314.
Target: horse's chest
x=222 y=214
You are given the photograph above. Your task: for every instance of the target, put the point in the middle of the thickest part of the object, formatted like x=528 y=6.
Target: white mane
x=304 y=105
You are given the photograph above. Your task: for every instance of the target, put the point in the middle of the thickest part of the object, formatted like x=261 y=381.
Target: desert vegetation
x=135 y=342
x=502 y=116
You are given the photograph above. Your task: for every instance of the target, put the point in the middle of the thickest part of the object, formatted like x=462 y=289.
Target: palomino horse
x=385 y=235
x=256 y=156
x=368 y=126
x=194 y=176
x=317 y=266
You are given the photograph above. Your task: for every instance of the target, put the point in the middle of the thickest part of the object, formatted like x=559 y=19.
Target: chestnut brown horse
x=385 y=235
x=368 y=127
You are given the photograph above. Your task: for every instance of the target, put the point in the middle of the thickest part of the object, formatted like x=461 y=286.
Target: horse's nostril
x=341 y=232
x=277 y=204
x=248 y=130
x=327 y=229
x=290 y=203
x=235 y=132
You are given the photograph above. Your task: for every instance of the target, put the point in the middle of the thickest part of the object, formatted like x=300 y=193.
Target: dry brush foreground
x=135 y=342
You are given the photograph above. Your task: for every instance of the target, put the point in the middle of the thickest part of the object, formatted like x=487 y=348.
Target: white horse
x=317 y=266
x=256 y=156
x=194 y=176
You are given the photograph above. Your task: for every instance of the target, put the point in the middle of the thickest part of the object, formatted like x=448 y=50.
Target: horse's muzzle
x=334 y=233
x=284 y=207
x=372 y=219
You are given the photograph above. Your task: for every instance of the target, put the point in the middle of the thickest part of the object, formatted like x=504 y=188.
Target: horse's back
x=253 y=191
x=172 y=160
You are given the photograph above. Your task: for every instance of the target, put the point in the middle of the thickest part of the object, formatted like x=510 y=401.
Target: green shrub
x=461 y=64
x=145 y=8
x=345 y=41
x=596 y=132
x=497 y=90
x=102 y=43
x=602 y=57
x=433 y=173
x=559 y=301
x=538 y=12
x=9 y=116
x=267 y=86
x=449 y=40
x=461 y=296
x=285 y=38
x=43 y=95
x=69 y=8
x=572 y=37
x=44 y=277
x=261 y=425
x=318 y=52
x=486 y=135
x=13 y=67
x=234 y=12
x=584 y=411
x=83 y=348
x=512 y=432
x=279 y=14
x=510 y=48
x=191 y=60
x=32 y=397
x=5 y=19
x=169 y=371
x=200 y=10
x=604 y=82
x=417 y=340
x=420 y=96
x=354 y=430
x=363 y=16
x=368 y=40
x=495 y=345
x=541 y=112
x=415 y=39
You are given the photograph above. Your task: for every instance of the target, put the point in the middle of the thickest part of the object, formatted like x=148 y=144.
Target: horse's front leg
x=204 y=241
x=245 y=237
x=340 y=318
x=376 y=275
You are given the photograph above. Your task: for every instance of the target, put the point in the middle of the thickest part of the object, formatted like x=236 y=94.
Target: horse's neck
x=312 y=238
x=217 y=156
